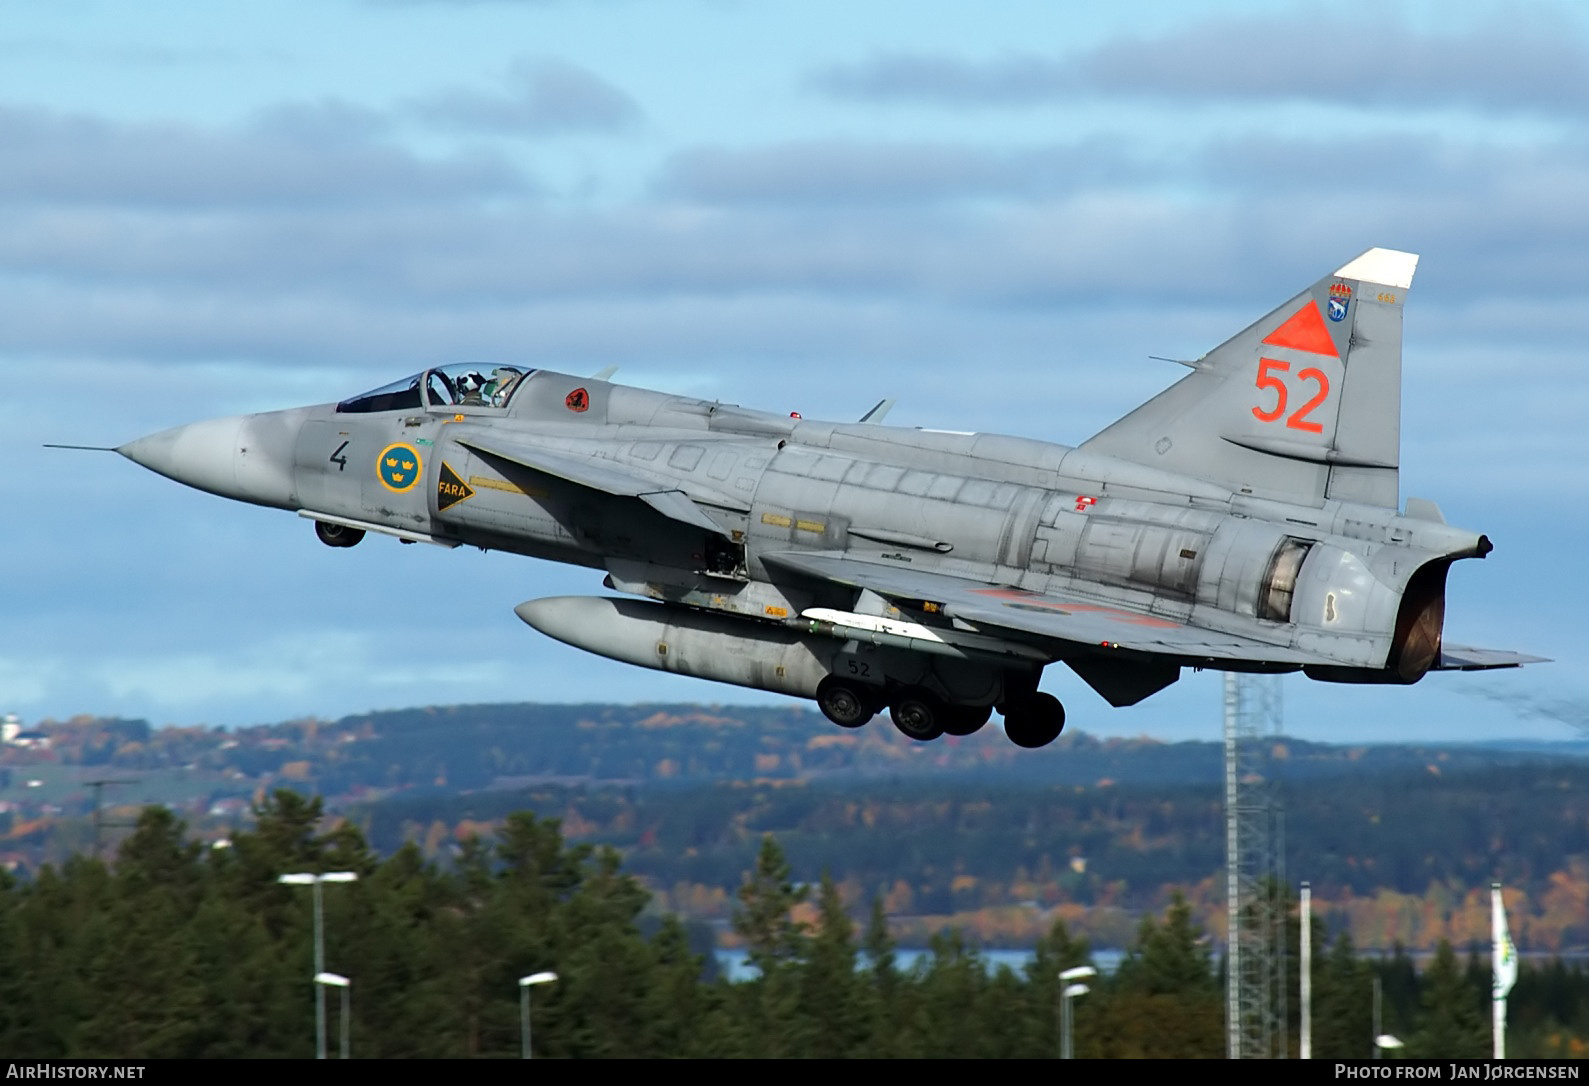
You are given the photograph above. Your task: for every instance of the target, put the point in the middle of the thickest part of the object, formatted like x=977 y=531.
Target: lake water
x=735 y=967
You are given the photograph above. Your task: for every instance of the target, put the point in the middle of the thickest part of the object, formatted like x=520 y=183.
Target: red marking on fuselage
x=1032 y=599
x=1305 y=330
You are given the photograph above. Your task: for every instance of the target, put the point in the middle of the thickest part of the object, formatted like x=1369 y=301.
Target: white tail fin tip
x=1387 y=267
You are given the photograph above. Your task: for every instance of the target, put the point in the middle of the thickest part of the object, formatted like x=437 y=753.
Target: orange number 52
x=1268 y=371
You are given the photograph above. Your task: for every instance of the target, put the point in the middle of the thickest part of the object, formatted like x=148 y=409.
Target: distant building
x=10 y=727
x=28 y=740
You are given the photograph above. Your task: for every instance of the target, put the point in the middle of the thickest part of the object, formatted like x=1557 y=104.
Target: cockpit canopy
x=462 y=384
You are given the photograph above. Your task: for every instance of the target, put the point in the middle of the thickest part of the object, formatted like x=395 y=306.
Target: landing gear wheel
x=966 y=719
x=1035 y=722
x=337 y=535
x=918 y=713
x=845 y=705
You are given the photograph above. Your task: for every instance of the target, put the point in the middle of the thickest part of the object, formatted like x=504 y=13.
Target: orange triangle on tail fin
x=1304 y=330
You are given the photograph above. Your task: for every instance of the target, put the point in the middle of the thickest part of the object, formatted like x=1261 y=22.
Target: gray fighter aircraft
x=1244 y=519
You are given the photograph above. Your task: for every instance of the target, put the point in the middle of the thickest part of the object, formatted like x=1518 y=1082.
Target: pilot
x=470 y=385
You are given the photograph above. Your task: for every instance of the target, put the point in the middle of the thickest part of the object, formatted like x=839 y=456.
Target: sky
x=996 y=214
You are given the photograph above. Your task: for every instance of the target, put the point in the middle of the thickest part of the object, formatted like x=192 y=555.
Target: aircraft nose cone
x=246 y=457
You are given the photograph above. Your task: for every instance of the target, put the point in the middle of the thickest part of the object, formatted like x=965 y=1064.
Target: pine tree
x=775 y=945
x=1452 y=1025
x=833 y=997
x=1164 y=1002
x=772 y=936
x=1343 y=1010
x=887 y=997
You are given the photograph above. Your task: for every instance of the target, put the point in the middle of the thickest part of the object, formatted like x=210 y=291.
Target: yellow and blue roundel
x=398 y=467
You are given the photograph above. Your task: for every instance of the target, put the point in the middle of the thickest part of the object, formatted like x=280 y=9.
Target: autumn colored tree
x=1165 y=1000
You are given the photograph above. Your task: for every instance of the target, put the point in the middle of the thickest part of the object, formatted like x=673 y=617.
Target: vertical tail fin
x=1303 y=405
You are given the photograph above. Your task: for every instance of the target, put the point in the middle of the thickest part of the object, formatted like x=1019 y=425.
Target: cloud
x=301 y=156
x=1501 y=63
x=737 y=244
x=546 y=97
x=164 y=55
x=856 y=260
x=883 y=172
x=1539 y=64
x=1012 y=79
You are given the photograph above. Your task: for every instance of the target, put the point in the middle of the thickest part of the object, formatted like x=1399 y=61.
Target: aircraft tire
x=966 y=719
x=843 y=704
x=918 y=713
x=1035 y=722
x=337 y=535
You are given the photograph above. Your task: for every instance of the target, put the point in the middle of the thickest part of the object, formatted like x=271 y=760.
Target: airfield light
x=1069 y=992
x=336 y=980
x=309 y=878
x=525 y=984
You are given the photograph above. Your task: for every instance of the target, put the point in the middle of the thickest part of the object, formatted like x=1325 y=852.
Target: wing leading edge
x=660 y=494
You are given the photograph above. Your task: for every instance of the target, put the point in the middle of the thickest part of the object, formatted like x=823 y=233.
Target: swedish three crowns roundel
x=398 y=467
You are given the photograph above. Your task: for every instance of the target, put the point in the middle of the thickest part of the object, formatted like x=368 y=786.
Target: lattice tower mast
x=1255 y=980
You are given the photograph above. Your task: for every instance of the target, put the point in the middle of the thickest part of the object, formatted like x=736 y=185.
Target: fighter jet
x=1247 y=518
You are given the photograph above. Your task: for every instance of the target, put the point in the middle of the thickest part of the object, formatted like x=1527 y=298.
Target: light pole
x=1305 y=1041
x=1069 y=992
x=311 y=879
x=525 y=983
x=336 y=980
x=1384 y=1041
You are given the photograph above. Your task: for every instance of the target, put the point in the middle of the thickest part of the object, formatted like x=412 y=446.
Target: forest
x=186 y=949
x=1399 y=842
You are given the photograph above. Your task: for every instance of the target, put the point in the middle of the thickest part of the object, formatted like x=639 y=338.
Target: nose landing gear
x=337 y=535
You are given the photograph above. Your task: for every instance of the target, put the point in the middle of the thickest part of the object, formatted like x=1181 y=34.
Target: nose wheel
x=337 y=535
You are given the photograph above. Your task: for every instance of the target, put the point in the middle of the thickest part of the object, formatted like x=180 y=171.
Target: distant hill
x=1399 y=841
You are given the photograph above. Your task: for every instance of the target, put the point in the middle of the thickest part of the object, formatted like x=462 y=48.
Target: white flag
x=1504 y=953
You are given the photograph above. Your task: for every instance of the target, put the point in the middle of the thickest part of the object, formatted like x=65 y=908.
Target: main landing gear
x=1035 y=721
x=847 y=705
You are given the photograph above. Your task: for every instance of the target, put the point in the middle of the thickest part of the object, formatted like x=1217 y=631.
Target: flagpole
x=1504 y=958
